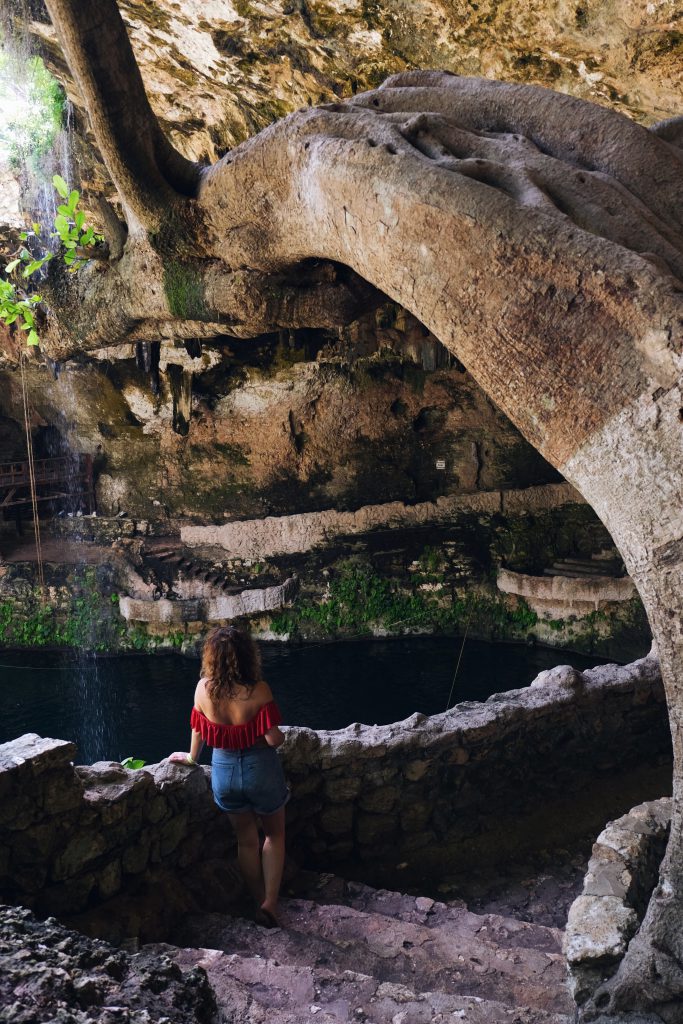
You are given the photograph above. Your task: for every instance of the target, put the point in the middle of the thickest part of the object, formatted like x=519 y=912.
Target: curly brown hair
x=230 y=659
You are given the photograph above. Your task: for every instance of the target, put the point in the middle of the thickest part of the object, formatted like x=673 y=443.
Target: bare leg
x=248 y=852
x=273 y=858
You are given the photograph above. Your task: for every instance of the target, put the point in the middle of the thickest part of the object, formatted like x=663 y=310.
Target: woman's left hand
x=178 y=757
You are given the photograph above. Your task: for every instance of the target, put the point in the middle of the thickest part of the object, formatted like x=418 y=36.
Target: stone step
x=162 y=554
x=573 y=572
x=459 y=956
x=257 y=988
x=568 y=574
x=571 y=567
x=504 y=931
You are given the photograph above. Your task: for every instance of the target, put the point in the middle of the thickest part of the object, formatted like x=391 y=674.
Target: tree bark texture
x=538 y=236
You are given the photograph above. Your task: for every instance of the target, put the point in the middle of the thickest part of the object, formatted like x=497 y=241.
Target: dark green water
x=140 y=705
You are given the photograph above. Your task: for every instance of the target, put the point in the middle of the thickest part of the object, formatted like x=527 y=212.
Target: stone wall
x=419 y=797
x=286 y=535
x=209 y=609
x=78 y=837
x=622 y=873
x=561 y=595
x=482 y=781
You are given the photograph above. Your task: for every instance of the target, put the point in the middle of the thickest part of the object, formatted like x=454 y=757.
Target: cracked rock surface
x=51 y=974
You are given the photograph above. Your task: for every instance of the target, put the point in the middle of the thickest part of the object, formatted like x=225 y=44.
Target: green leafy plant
x=359 y=600
x=133 y=763
x=70 y=227
x=77 y=241
x=17 y=307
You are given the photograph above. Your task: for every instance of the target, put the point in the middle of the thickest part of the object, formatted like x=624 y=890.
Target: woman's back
x=236 y=709
x=234 y=712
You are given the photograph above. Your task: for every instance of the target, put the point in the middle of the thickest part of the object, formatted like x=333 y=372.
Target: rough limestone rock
x=218 y=73
x=50 y=974
x=599 y=929
x=327 y=422
x=621 y=875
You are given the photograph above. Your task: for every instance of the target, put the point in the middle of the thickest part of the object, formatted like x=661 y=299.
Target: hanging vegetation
x=77 y=243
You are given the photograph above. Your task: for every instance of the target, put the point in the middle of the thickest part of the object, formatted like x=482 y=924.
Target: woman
x=234 y=712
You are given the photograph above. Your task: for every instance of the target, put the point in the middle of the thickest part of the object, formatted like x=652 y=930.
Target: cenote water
x=140 y=705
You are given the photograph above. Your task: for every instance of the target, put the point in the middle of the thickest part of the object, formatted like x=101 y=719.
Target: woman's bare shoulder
x=200 y=694
x=262 y=692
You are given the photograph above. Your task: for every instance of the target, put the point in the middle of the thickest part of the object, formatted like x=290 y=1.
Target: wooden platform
x=65 y=480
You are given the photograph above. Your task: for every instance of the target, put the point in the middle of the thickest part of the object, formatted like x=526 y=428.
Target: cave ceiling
x=218 y=72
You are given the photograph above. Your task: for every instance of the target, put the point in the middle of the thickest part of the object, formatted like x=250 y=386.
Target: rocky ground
x=540 y=889
x=51 y=974
x=345 y=952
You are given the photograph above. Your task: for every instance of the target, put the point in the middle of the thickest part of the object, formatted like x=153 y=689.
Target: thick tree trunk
x=632 y=473
x=148 y=172
x=539 y=237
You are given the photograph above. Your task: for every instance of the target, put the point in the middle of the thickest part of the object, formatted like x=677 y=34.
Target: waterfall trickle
x=36 y=122
x=37 y=142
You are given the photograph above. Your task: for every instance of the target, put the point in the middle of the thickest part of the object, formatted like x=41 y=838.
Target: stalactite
x=147 y=355
x=193 y=347
x=180 y=383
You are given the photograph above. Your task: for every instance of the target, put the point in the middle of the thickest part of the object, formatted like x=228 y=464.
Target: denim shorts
x=248 y=780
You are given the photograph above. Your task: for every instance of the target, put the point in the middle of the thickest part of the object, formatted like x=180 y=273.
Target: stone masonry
x=476 y=782
x=622 y=873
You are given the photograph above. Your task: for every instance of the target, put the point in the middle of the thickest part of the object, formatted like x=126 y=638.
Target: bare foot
x=266 y=918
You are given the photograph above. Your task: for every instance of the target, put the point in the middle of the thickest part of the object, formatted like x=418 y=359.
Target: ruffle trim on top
x=236 y=737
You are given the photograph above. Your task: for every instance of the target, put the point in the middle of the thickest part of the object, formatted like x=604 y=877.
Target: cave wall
x=300 y=423
x=218 y=73
x=287 y=423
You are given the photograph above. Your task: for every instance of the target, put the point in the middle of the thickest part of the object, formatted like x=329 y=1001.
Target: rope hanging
x=32 y=475
x=457 y=667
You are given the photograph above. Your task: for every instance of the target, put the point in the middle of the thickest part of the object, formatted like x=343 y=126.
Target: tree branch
x=115 y=230
x=150 y=175
x=140 y=298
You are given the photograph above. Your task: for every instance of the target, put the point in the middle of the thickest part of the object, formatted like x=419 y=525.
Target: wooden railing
x=62 y=478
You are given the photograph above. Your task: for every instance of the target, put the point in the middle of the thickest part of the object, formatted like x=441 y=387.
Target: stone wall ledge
x=214 y=608
x=32 y=753
x=620 y=878
x=285 y=535
x=564 y=594
x=470 y=721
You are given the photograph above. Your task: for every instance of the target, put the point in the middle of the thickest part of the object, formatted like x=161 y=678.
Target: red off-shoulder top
x=236 y=737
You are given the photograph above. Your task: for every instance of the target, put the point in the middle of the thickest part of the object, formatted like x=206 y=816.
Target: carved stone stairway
x=349 y=953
